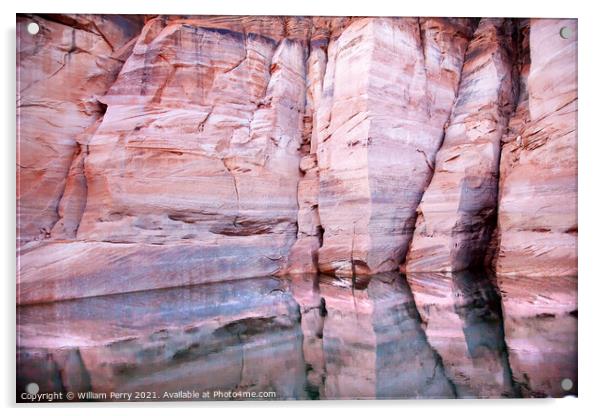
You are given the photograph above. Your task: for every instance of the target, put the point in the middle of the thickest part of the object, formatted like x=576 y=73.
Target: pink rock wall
x=194 y=165
x=537 y=222
x=200 y=149
x=388 y=90
x=457 y=212
x=62 y=73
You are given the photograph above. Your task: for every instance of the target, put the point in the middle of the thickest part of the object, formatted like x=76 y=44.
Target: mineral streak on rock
x=537 y=210
x=458 y=210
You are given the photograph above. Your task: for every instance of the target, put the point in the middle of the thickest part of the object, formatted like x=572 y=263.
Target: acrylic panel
x=283 y=207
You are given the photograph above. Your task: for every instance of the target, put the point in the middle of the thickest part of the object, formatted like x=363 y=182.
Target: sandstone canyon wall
x=63 y=72
x=537 y=223
x=387 y=92
x=165 y=151
x=457 y=211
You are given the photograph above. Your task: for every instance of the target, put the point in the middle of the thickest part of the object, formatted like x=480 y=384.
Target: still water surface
x=391 y=336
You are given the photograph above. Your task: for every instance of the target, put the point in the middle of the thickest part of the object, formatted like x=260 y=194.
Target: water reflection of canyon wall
x=374 y=345
x=540 y=321
x=464 y=324
x=308 y=337
x=241 y=336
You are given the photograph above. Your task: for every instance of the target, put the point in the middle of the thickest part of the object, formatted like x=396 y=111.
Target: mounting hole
x=566 y=384
x=32 y=388
x=565 y=32
x=33 y=28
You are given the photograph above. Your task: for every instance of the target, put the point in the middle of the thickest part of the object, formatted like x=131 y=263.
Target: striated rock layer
x=537 y=225
x=62 y=73
x=388 y=90
x=457 y=212
x=192 y=174
x=165 y=151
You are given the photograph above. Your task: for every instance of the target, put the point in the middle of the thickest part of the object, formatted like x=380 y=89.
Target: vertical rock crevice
x=374 y=118
x=515 y=125
x=72 y=202
x=304 y=253
x=458 y=207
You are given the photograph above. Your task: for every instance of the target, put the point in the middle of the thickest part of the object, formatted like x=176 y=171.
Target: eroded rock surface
x=196 y=160
x=166 y=151
x=458 y=210
x=62 y=73
x=388 y=90
x=537 y=223
x=304 y=254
